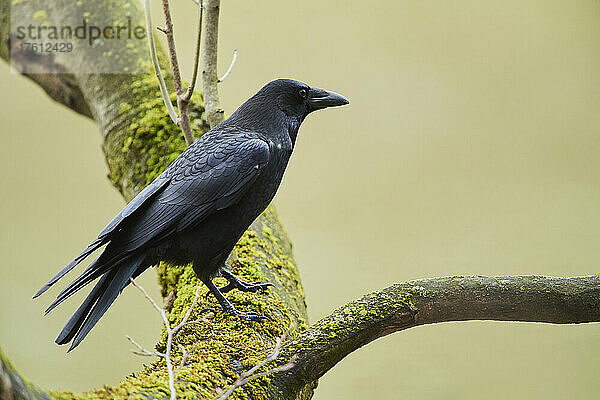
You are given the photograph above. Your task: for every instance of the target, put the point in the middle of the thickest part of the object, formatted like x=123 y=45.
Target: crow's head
x=297 y=99
x=281 y=106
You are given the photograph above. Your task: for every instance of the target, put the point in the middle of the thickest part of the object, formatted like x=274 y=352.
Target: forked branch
x=183 y=98
x=171 y=332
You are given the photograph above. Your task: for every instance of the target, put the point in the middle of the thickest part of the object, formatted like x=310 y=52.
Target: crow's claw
x=210 y=309
x=237 y=283
x=253 y=287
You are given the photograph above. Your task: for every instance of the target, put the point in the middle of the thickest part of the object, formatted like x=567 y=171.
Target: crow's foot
x=227 y=306
x=237 y=283
x=242 y=286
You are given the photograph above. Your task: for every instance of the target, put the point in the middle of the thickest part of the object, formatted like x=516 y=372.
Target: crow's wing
x=212 y=177
x=206 y=178
x=154 y=187
x=212 y=173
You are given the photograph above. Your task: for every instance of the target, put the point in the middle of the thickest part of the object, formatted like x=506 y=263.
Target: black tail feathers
x=99 y=300
x=114 y=269
x=89 y=250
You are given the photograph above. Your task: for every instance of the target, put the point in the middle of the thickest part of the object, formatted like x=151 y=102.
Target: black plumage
x=199 y=207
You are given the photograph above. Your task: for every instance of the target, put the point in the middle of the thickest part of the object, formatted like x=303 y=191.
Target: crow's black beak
x=319 y=98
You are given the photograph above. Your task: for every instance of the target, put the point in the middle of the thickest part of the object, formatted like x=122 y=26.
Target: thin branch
x=226 y=74
x=190 y=89
x=189 y=312
x=251 y=374
x=210 y=28
x=168 y=31
x=185 y=355
x=171 y=332
x=141 y=350
x=430 y=301
x=197 y=321
x=161 y=80
x=150 y=299
x=182 y=104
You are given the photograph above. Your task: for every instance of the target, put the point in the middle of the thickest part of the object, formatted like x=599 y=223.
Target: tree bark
x=210 y=29
x=435 y=300
x=140 y=140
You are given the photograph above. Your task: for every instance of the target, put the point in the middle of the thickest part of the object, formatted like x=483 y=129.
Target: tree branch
x=190 y=89
x=226 y=74
x=182 y=104
x=14 y=387
x=210 y=90
x=54 y=77
x=154 y=57
x=431 y=301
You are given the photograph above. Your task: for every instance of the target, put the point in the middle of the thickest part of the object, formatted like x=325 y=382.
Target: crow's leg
x=237 y=283
x=228 y=307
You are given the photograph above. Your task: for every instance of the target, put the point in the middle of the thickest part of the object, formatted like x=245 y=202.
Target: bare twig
x=182 y=104
x=214 y=113
x=141 y=350
x=185 y=355
x=168 y=31
x=242 y=381
x=190 y=89
x=184 y=321
x=151 y=300
x=251 y=374
x=168 y=303
x=226 y=74
x=197 y=321
x=171 y=332
x=210 y=28
x=161 y=80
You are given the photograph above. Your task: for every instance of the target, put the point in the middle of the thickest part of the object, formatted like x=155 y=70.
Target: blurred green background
x=471 y=146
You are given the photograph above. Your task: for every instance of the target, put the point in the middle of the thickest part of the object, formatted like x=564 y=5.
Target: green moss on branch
x=434 y=300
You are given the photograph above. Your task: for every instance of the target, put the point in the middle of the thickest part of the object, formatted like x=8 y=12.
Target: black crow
x=199 y=207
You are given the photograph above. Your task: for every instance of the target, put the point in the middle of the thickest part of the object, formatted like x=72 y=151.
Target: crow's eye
x=302 y=93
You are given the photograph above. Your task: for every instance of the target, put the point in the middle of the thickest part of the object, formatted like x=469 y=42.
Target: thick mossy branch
x=434 y=300
x=14 y=387
x=57 y=81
